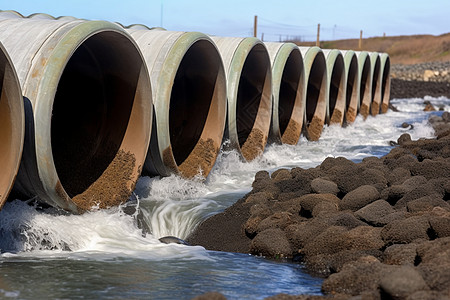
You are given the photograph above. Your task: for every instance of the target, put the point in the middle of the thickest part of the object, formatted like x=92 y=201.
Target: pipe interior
x=250 y=90
x=336 y=81
x=385 y=78
x=7 y=158
x=351 y=82
x=191 y=97
x=315 y=84
x=364 y=83
x=91 y=108
x=289 y=88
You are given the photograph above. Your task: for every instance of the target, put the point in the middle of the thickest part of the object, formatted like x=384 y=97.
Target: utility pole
x=360 y=40
x=255 y=27
x=318 y=35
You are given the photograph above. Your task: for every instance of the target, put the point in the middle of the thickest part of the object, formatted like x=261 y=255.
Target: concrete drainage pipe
x=189 y=96
x=365 y=83
x=352 y=88
x=375 y=64
x=385 y=81
x=337 y=86
x=88 y=110
x=316 y=93
x=249 y=93
x=12 y=124
x=289 y=92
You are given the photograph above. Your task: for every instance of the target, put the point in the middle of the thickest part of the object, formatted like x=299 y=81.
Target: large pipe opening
x=386 y=85
x=316 y=97
x=351 y=101
x=290 y=108
x=337 y=91
x=253 y=97
x=365 y=93
x=11 y=125
x=376 y=86
x=91 y=115
x=196 y=117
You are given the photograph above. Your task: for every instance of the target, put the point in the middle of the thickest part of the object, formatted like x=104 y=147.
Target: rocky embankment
x=379 y=229
x=418 y=81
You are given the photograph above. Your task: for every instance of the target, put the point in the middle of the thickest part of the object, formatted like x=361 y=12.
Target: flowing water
x=115 y=253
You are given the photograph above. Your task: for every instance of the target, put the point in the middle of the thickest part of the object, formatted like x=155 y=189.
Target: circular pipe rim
x=313 y=128
x=12 y=113
x=386 y=81
x=335 y=62
x=280 y=54
x=51 y=76
x=353 y=87
x=365 y=83
x=376 y=71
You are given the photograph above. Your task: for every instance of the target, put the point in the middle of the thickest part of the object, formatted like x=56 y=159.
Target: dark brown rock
x=401 y=254
x=374 y=212
x=308 y=202
x=426 y=203
x=210 y=296
x=406 y=231
x=405 y=137
x=359 y=198
x=271 y=243
x=402 y=282
x=323 y=186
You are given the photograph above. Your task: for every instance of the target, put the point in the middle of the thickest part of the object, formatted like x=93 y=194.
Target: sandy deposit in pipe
x=254 y=145
x=364 y=110
x=336 y=118
x=375 y=108
x=314 y=129
x=291 y=134
x=384 y=107
x=350 y=115
x=201 y=158
x=113 y=187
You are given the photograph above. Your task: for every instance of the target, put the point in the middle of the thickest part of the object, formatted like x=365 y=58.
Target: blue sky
x=276 y=19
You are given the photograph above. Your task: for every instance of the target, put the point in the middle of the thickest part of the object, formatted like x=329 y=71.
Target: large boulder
x=359 y=197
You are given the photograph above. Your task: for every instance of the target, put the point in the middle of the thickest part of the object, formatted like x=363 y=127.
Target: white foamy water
x=173 y=206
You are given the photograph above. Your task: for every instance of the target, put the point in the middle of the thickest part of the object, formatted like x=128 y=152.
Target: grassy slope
x=410 y=49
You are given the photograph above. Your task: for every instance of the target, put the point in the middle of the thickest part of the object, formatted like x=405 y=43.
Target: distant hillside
x=410 y=49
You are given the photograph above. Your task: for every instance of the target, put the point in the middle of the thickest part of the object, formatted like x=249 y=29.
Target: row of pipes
x=89 y=106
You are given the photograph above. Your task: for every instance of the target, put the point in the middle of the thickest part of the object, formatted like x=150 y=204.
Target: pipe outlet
x=88 y=110
x=352 y=87
x=249 y=93
x=365 y=83
x=12 y=124
x=375 y=63
x=288 y=92
x=189 y=96
x=317 y=95
x=385 y=81
x=337 y=86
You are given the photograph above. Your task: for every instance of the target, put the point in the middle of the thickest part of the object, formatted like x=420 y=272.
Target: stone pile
x=430 y=71
x=379 y=229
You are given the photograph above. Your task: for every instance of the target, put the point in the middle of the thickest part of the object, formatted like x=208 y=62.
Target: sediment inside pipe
x=11 y=126
x=351 y=103
x=316 y=94
x=253 y=95
x=290 y=97
x=91 y=115
x=196 y=116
